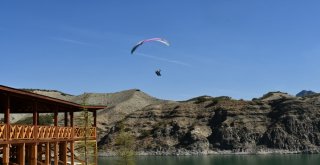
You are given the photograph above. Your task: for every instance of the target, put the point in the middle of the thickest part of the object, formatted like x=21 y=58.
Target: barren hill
x=119 y=104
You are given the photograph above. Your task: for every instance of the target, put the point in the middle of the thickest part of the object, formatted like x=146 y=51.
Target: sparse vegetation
x=43 y=120
x=45 y=90
x=145 y=133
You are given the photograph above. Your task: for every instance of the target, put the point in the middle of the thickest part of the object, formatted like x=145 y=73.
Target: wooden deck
x=43 y=144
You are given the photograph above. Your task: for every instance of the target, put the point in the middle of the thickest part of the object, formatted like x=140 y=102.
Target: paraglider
x=158 y=72
x=161 y=40
x=148 y=40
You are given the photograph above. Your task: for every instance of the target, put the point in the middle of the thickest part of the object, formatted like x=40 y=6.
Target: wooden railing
x=21 y=132
x=3 y=132
x=80 y=132
x=30 y=132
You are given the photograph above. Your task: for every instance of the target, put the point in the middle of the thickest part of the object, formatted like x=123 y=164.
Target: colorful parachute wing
x=149 y=40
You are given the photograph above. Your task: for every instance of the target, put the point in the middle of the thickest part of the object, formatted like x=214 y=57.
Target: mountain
x=305 y=93
x=275 y=123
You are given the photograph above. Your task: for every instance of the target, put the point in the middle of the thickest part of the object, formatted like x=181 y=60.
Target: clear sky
x=237 y=48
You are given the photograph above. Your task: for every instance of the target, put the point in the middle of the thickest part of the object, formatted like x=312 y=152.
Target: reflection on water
x=290 y=159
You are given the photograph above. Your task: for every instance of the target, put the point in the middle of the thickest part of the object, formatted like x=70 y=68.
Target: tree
x=85 y=120
x=125 y=143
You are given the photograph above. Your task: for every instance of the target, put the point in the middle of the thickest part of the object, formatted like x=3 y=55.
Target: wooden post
x=72 y=138
x=6 y=147
x=35 y=120
x=55 y=119
x=6 y=154
x=38 y=118
x=34 y=154
x=65 y=119
x=71 y=119
x=56 y=153
x=21 y=154
x=63 y=152
x=7 y=118
x=55 y=122
x=94 y=118
x=47 y=154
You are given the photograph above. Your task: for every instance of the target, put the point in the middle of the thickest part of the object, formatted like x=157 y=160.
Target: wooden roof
x=22 y=101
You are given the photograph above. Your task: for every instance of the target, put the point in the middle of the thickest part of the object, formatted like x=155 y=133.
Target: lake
x=288 y=159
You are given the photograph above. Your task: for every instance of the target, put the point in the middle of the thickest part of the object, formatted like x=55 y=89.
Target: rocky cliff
x=276 y=122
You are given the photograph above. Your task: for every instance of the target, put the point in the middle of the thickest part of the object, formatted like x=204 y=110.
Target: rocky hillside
x=120 y=104
x=276 y=122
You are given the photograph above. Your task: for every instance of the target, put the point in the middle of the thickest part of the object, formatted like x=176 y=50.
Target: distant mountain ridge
x=305 y=93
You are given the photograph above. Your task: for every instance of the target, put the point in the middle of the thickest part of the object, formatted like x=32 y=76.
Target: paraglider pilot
x=158 y=72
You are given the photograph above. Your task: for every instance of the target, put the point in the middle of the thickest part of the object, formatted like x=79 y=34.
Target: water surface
x=289 y=159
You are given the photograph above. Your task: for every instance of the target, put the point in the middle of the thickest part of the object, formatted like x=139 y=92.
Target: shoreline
x=183 y=152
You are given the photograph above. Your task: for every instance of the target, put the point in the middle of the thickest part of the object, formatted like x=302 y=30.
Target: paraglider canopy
x=161 y=40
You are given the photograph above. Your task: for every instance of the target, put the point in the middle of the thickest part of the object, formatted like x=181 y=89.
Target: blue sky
x=241 y=49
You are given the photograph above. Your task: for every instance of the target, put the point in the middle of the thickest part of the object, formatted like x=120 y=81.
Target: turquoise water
x=290 y=159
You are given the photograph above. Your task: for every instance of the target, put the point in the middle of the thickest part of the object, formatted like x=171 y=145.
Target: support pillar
x=63 y=152
x=65 y=119
x=6 y=147
x=7 y=118
x=55 y=119
x=6 y=154
x=72 y=142
x=94 y=118
x=34 y=154
x=21 y=154
x=35 y=120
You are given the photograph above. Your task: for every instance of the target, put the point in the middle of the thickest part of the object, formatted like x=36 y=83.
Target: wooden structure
x=41 y=144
